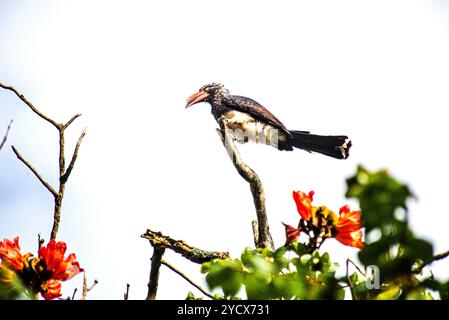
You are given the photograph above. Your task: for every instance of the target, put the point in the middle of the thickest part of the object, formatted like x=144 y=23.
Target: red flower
x=10 y=253
x=348 y=228
x=41 y=274
x=59 y=269
x=304 y=203
x=291 y=233
x=51 y=289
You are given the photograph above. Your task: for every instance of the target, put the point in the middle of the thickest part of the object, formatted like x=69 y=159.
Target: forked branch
x=64 y=172
x=160 y=243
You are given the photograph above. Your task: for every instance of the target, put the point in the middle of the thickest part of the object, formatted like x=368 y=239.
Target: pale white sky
x=375 y=70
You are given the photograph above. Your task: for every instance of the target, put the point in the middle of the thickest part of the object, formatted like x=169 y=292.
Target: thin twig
x=196 y=255
x=66 y=175
x=264 y=239
x=353 y=294
x=86 y=289
x=153 y=283
x=74 y=292
x=356 y=266
x=5 y=137
x=38 y=176
x=126 y=294
x=93 y=285
x=171 y=267
x=40 y=241
x=255 y=227
x=29 y=104
x=440 y=256
x=160 y=243
x=84 y=294
x=436 y=257
x=71 y=120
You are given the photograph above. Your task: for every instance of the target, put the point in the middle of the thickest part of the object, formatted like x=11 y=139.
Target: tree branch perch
x=153 y=283
x=196 y=255
x=264 y=239
x=160 y=243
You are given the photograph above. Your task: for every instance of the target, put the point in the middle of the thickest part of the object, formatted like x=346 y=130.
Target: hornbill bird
x=248 y=120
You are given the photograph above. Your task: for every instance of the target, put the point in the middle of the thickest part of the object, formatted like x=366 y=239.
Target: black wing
x=255 y=109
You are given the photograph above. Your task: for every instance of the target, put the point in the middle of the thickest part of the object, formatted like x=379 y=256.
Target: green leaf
x=256 y=286
x=379 y=194
x=227 y=275
x=191 y=296
x=391 y=293
x=289 y=286
x=305 y=259
x=299 y=248
x=340 y=294
x=419 y=294
x=444 y=291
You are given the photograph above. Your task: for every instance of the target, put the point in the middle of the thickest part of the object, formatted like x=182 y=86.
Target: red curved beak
x=196 y=97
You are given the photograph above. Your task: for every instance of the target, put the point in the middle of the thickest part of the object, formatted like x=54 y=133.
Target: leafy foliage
x=287 y=273
x=298 y=271
x=397 y=252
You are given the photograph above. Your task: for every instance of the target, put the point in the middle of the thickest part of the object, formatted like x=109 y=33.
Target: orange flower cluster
x=322 y=223
x=42 y=274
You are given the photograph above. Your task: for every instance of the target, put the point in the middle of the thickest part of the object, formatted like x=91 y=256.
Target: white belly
x=244 y=128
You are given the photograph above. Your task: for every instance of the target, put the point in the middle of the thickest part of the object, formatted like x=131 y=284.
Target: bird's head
x=206 y=93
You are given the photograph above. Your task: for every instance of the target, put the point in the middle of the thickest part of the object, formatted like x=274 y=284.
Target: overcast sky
x=377 y=71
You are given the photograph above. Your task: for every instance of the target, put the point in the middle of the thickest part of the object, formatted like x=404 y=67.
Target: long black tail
x=332 y=146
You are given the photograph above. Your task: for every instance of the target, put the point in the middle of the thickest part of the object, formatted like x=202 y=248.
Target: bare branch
x=353 y=293
x=439 y=256
x=171 y=267
x=31 y=106
x=196 y=255
x=71 y=120
x=356 y=266
x=5 y=137
x=264 y=239
x=40 y=241
x=63 y=173
x=86 y=289
x=84 y=294
x=255 y=227
x=126 y=294
x=66 y=175
x=160 y=243
x=153 y=283
x=74 y=293
x=38 y=176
